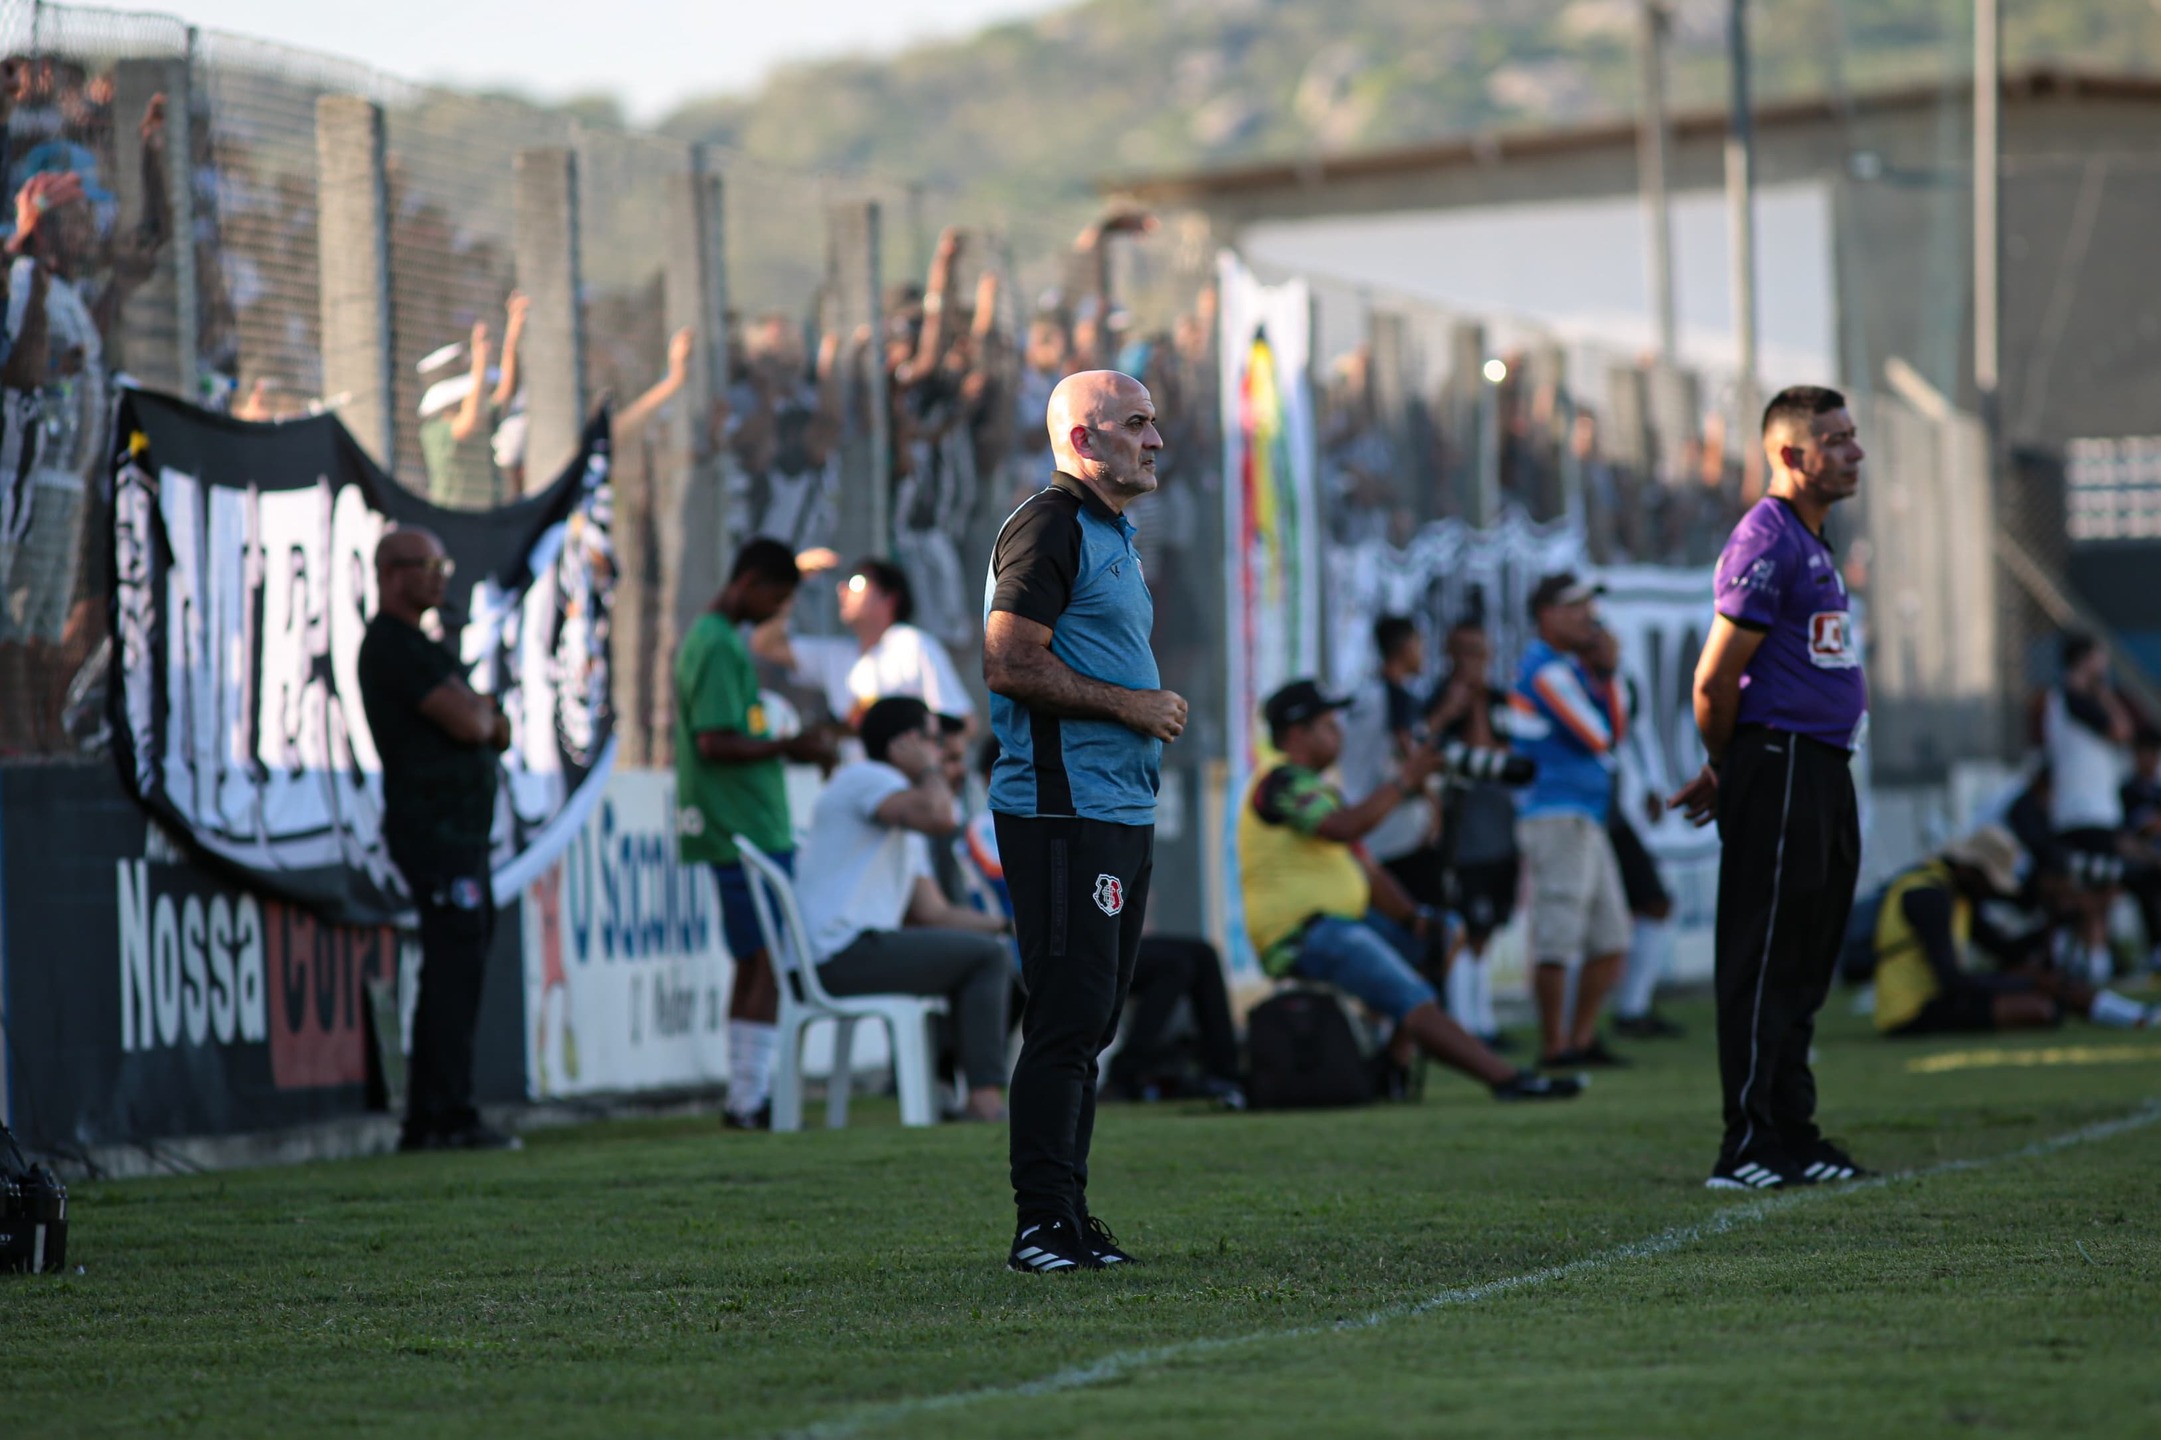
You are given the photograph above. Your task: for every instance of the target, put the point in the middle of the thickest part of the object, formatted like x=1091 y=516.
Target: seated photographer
x=1317 y=907
x=1930 y=918
x=865 y=872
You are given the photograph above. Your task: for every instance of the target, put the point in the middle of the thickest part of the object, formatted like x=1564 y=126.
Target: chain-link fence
x=194 y=263
x=1430 y=416
x=840 y=395
x=99 y=155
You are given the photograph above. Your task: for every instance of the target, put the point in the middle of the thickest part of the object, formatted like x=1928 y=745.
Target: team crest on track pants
x=1791 y=832
x=1080 y=890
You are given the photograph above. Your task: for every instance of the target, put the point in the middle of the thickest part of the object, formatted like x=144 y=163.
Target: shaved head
x=411 y=573
x=1103 y=432
x=406 y=543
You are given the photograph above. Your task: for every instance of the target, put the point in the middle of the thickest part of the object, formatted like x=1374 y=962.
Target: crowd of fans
x=1382 y=475
x=71 y=266
x=1454 y=796
x=1381 y=854
x=1381 y=868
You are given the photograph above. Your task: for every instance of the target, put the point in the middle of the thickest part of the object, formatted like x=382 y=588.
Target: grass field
x=1453 y=1266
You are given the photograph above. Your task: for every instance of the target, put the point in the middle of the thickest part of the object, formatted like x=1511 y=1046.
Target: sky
x=652 y=54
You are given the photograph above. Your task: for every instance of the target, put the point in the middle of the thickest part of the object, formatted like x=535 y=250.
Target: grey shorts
x=37 y=579
x=1578 y=906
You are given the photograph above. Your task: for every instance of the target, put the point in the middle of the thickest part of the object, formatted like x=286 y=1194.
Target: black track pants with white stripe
x=1080 y=890
x=1791 y=830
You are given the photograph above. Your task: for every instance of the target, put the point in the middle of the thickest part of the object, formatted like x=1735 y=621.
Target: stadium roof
x=1492 y=147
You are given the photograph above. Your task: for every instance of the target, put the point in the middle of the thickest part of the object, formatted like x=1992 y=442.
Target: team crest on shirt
x=1830 y=640
x=1110 y=894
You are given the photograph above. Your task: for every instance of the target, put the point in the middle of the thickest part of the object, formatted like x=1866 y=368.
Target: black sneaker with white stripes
x=1102 y=1244
x=1825 y=1163
x=1530 y=1085
x=1050 y=1247
x=1761 y=1171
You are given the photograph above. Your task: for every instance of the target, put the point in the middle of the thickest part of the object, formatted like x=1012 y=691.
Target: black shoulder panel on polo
x=1037 y=557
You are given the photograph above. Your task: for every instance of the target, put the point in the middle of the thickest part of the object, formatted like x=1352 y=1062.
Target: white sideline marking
x=1122 y=1363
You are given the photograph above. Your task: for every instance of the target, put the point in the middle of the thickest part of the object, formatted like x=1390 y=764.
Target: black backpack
x=1305 y=1054
x=33 y=1213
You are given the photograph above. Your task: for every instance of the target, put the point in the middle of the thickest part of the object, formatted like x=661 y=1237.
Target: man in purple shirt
x=1780 y=704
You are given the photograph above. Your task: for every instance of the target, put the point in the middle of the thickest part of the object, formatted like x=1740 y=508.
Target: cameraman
x=1454 y=853
x=1382 y=728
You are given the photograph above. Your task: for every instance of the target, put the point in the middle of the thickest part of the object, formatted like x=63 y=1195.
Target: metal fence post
x=687 y=489
x=545 y=237
x=180 y=186
x=353 y=251
x=866 y=526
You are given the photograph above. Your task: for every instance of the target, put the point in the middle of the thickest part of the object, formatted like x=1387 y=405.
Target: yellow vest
x=1904 y=981
x=1287 y=878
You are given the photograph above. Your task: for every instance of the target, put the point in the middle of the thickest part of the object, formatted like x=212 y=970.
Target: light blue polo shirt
x=1066 y=561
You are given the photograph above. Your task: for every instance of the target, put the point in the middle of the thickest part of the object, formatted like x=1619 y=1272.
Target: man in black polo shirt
x=438 y=741
x=1081 y=720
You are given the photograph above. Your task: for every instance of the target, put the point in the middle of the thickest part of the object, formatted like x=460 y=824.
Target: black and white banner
x=243 y=581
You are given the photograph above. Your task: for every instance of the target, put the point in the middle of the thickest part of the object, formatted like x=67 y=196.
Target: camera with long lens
x=1480 y=765
x=33 y=1213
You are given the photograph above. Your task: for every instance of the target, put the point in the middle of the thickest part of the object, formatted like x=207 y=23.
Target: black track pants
x=1792 y=853
x=457 y=924
x=1079 y=888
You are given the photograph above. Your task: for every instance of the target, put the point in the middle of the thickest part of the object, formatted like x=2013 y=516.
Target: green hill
x=1020 y=119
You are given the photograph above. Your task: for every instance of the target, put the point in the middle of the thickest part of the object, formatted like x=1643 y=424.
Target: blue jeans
x=738 y=916
x=1374 y=959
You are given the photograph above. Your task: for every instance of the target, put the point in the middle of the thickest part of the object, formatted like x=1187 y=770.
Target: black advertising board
x=149 y=995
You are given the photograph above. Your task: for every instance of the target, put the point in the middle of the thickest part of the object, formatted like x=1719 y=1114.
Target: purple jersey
x=1777 y=577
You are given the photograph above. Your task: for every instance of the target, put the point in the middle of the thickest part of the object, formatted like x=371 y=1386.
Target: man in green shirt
x=729 y=782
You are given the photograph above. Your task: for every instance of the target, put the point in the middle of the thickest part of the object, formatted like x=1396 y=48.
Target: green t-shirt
x=716 y=688
x=462 y=473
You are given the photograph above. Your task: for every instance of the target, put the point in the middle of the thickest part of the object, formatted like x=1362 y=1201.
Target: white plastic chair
x=804 y=1000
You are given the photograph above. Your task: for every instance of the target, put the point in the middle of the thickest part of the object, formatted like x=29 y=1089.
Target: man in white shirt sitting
x=887 y=655
x=865 y=873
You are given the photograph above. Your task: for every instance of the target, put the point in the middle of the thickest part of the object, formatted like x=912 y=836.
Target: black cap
x=1563 y=588
x=1297 y=703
